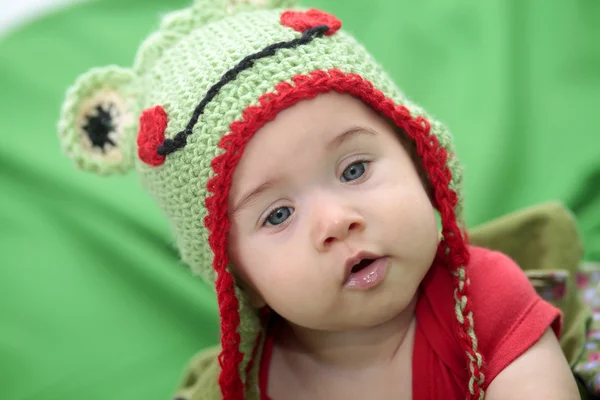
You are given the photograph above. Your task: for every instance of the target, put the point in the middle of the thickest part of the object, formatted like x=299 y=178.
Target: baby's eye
x=354 y=171
x=279 y=216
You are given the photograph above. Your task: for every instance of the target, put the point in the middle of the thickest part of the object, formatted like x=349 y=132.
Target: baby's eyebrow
x=348 y=135
x=253 y=194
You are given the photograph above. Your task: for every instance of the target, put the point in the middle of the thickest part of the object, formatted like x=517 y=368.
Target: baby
x=325 y=206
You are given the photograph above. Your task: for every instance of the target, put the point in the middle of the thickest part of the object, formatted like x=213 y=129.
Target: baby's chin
x=358 y=318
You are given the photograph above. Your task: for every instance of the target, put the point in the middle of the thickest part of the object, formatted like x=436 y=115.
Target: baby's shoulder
x=499 y=289
x=509 y=314
x=494 y=275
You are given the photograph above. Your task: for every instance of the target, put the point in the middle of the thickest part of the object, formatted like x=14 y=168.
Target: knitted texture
x=108 y=89
x=153 y=123
x=201 y=86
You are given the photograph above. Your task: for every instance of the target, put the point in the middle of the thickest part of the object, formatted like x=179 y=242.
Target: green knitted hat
x=200 y=87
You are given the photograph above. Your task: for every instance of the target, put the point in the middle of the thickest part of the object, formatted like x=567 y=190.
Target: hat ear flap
x=97 y=125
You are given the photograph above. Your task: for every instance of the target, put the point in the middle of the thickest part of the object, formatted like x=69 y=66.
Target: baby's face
x=324 y=185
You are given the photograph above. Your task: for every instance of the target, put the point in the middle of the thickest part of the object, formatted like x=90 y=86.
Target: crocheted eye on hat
x=200 y=87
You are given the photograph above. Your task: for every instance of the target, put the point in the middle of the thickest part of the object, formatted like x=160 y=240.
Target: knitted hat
x=200 y=87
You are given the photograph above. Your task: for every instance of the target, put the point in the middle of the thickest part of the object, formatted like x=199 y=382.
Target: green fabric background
x=94 y=303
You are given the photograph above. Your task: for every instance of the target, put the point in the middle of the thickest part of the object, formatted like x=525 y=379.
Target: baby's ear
x=97 y=123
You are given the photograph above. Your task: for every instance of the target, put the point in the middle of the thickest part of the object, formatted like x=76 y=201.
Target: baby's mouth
x=365 y=270
x=361 y=265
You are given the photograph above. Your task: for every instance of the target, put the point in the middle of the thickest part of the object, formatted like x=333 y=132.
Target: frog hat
x=201 y=85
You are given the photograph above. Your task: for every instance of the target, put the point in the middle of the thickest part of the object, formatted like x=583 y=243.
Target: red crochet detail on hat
x=434 y=158
x=303 y=20
x=151 y=135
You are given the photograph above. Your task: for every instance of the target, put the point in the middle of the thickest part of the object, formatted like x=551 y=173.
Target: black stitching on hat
x=180 y=140
x=99 y=126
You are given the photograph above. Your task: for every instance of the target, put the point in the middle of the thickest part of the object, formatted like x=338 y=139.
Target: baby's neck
x=350 y=350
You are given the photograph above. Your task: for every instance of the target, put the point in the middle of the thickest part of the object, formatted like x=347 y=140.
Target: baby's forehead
x=311 y=131
x=316 y=125
x=316 y=121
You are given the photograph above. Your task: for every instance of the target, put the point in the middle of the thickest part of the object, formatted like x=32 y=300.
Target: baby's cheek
x=262 y=264
x=294 y=289
x=301 y=305
x=241 y=257
x=411 y=219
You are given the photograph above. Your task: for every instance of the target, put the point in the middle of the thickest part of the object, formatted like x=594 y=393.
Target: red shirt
x=509 y=318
